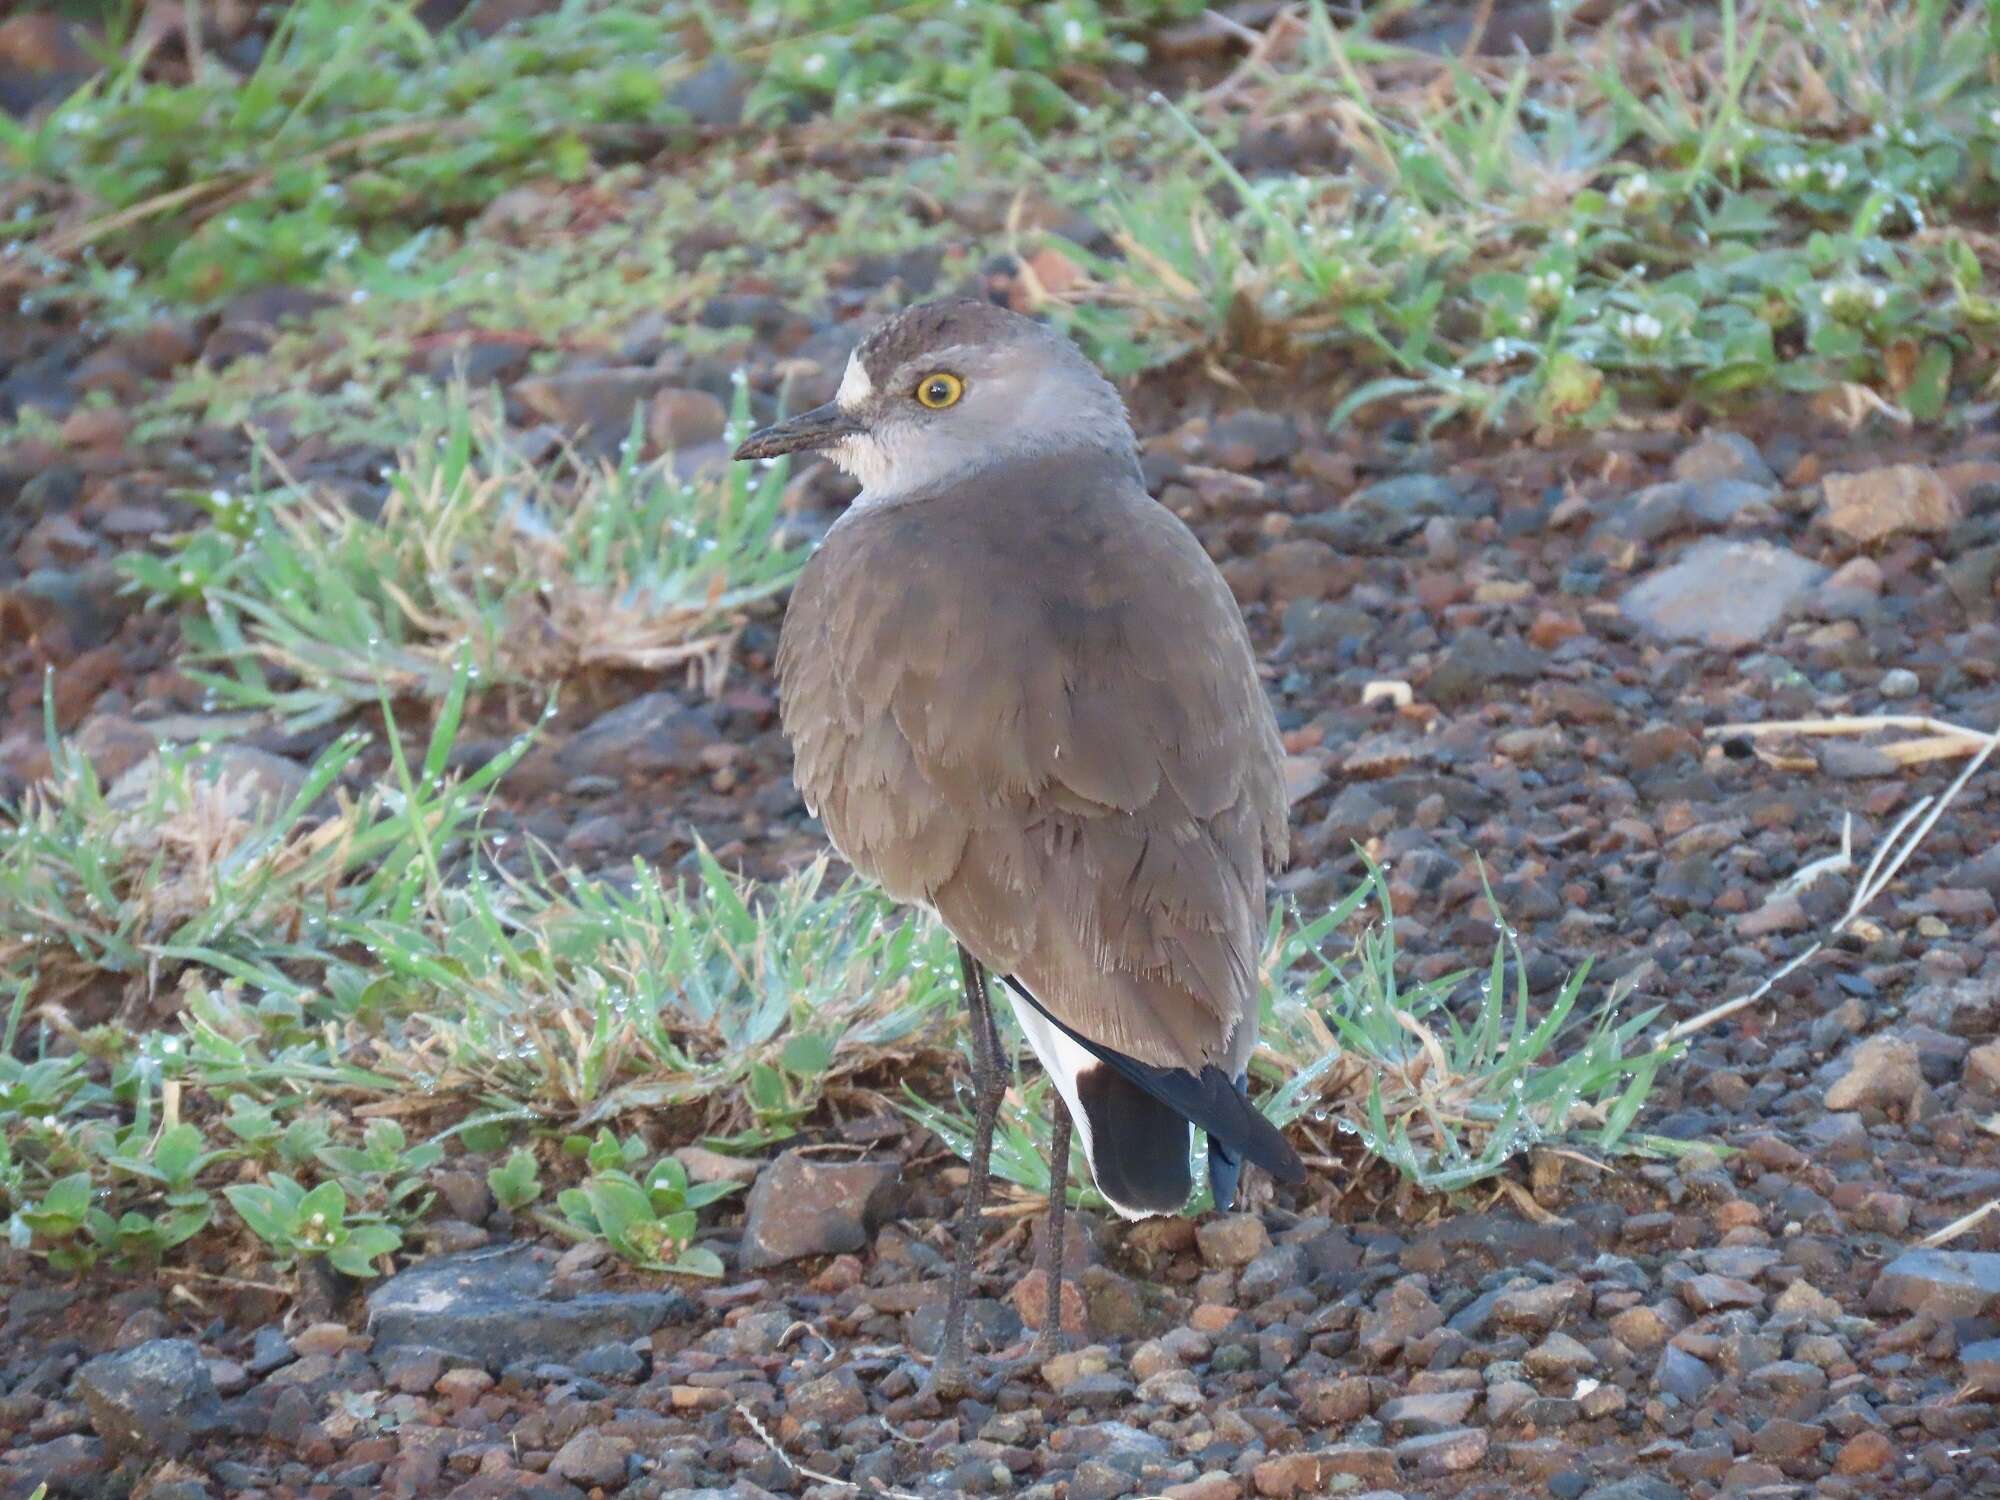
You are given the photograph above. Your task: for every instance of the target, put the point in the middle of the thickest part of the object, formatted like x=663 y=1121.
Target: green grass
x=1624 y=227
x=523 y=576
x=363 y=943
x=1771 y=199
x=357 y=120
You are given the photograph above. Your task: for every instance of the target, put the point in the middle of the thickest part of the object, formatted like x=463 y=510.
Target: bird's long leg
x=1050 y=1339
x=948 y=1376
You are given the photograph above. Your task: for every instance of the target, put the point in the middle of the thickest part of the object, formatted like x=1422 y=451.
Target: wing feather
x=1032 y=705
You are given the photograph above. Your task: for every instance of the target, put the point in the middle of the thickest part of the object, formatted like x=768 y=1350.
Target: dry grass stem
x=1891 y=855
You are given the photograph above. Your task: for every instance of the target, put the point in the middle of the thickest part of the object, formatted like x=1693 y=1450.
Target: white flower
x=1072 y=33
x=814 y=65
x=318 y=1220
x=1640 y=328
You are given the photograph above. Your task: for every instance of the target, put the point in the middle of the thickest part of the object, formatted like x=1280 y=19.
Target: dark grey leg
x=1050 y=1339
x=948 y=1376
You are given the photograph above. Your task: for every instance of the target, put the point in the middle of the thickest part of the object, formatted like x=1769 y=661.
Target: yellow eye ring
x=939 y=390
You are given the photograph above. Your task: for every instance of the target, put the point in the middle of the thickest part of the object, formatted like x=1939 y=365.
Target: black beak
x=821 y=427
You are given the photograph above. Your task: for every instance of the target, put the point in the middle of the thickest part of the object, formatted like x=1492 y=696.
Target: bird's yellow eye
x=940 y=390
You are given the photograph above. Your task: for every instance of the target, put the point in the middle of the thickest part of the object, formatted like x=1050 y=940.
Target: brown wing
x=1031 y=704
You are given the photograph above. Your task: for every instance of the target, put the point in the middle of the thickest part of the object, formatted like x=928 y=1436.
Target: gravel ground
x=1571 y=621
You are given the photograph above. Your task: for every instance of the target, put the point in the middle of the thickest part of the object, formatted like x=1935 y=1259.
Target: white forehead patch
x=855 y=386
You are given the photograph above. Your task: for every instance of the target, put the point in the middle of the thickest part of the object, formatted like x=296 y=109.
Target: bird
x=1020 y=695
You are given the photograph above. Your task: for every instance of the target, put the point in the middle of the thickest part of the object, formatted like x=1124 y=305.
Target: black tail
x=1138 y=1146
x=1210 y=1099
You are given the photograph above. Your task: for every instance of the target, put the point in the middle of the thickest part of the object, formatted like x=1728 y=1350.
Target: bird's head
x=944 y=389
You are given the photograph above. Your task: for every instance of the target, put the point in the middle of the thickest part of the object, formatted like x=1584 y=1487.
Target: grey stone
x=652 y=735
x=1964 y=1007
x=1427 y=1411
x=1318 y=624
x=1539 y=1307
x=269 y=1348
x=1637 y=1487
x=514 y=1484
x=91 y=603
x=1980 y=873
x=1559 y=1355
x=1724 y=455
x=832 y=1398
x=1944 y=1283
x=1278 y=1269
x=1883 y=1072
x=1248 y=439
x=802 y=1205
x=610 y=1362
x=1403 y=1313
x=1096 y=1480
x=1683 y=505
x=255 y=781
x=493 y=1306
x=1838 y=1137
x=1682 y=1375
x=1117 y=1443
x=69 y=1465
x=1383 y=513
x=1982 y=1365
x=1898 y=682
x=1232 y=1240
x=1721 y=593
x=592 y=1458
x=1710 y=1292
x=594 y=406
x=1443 y=1452
x=1475 y=662
x=155 y=1398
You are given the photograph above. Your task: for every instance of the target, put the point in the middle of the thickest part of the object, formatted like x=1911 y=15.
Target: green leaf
x=701 y=1194
x=605 y=1154
x=67 y=1198
x=257 y=1206
x=178 y=1151
x=808 y=1054
x=617 y=1203
x=326 y=1203
x=1931 y=385
x=574 y=1204
x=516 y=1183
x=697 y=1260
x=766 y=1088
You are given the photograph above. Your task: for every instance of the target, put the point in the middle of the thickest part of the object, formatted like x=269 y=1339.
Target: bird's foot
x=1025 y=1359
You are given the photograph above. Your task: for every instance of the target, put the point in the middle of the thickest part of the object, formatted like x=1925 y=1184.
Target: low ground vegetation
x=395 y=849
